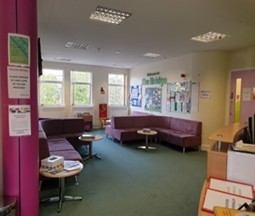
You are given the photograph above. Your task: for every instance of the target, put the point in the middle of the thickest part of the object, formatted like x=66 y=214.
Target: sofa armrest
x=43 y=146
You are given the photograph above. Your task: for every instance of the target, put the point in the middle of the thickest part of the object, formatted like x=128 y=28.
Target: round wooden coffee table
x=147 y=134
x=61 y=176
x=91 y=140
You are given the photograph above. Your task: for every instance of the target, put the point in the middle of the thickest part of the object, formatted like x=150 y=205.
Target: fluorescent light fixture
x=63 y=59
x=77 y=45
x=151 y=55
x=209 y=37
x=109 y=15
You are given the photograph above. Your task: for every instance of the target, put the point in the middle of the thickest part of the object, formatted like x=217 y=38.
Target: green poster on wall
x=18 y=49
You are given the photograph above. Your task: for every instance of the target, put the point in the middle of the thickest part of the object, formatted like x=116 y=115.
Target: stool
x=7 y=204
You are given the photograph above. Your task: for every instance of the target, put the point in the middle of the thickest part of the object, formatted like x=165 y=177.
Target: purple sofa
x=180 y=132
x=60 y=137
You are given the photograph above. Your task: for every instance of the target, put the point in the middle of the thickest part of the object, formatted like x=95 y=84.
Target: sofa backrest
x=160 y=121
x=186 y=126
x=73 y=125
x=138 y=113
x=52 y=126
x=43 y=146
x=123 y=122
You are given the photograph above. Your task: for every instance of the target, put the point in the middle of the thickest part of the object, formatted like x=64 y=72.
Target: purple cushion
x=60 y=144
x=68 y=154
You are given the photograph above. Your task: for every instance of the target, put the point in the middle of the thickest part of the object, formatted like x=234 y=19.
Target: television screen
x=39 y=58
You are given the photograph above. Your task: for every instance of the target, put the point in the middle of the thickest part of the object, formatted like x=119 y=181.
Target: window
x=52 y=88
x=116 y=89
x=81 y=88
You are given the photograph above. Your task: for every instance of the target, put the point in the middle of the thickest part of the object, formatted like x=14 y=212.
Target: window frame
x=53 y=82
x=90 y=84
x=117 y=85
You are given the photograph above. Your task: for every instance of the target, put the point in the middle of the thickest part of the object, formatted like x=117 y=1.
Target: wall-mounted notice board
x=136 y=95
x=179 y=97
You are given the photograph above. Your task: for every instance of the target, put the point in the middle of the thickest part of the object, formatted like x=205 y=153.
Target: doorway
x=242 y=96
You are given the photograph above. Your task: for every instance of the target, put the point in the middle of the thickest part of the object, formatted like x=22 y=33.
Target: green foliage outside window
x=81 y=87
x=51 y=88
x=116 y=89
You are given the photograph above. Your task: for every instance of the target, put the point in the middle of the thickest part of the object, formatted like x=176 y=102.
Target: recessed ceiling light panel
x=63 y=59
x=76 y=45
x=209 y=37
x=109 y=15
x=151 y=55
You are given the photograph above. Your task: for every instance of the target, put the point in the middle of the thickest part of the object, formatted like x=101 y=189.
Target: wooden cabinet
x=217 y=161
x=88 y=120
x=217 y=156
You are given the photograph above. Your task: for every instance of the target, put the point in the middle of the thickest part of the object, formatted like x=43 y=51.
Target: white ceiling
x=158 y=26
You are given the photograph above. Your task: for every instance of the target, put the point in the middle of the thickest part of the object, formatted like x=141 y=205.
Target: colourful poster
x=136 y=95
x=102 y=110
x=18 y=49
x=152 y=99
x=179 y=97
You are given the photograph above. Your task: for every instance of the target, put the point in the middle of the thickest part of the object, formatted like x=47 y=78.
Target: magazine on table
x=70 y=165
x=88 y=136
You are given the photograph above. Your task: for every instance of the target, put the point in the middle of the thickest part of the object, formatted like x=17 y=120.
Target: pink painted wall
x=20 y=154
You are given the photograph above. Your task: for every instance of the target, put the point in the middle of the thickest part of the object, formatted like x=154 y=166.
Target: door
x=242 y=96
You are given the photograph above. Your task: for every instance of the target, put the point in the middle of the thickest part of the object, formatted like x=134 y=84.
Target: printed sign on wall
x=18 y=82
x=19 y=120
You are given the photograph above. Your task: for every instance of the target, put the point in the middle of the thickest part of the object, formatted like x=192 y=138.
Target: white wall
x=210 y=70
x=240 y=59
x=100 y=79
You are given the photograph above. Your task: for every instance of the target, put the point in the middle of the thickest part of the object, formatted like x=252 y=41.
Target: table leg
x=147 y=147
x=91 y=155
x=62 y=197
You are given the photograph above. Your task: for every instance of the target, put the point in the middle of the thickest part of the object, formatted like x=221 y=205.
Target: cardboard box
x=86 y=116
x=53 y=162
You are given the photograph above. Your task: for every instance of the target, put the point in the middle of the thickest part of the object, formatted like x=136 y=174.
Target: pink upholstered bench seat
x=174 y=131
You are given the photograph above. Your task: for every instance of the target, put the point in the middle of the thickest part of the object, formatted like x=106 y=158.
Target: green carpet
x=132 y=182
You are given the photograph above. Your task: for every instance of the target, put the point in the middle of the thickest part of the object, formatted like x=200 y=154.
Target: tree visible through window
x=116 y=89
x=81 y=88
x=52 y=88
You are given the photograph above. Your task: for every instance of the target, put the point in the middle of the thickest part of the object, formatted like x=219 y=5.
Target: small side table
x=91 y=140
x=7 y=203
x=61 y=176
x=147 y=134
